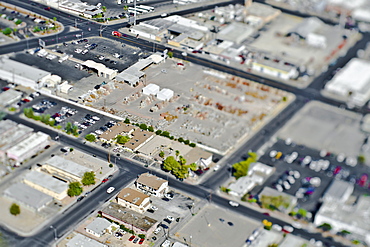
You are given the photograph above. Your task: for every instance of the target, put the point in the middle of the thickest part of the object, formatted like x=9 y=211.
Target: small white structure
x=9 y=97
x=51 y=80
x=316 y=40
x=81 y=240
x=352 y=82
x=165 y=94
x=151 y=89
x=98 y=227
x=65 y=87
x=101 y=69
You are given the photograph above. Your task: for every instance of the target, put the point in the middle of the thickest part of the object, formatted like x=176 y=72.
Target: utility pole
x=135 y=13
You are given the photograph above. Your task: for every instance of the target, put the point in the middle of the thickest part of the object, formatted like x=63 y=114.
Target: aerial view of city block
x=174 y=123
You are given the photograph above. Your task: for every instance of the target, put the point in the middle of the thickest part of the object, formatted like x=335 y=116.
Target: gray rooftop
x=27 y=195
x=6 y=125
x=22 y=69
x=9 y=97
x=82 y=241
x=129 y=216
x=98 y=225
x=14 y=135
x=190 y=32
x=159 y=23
x=236 y=32
x=46 y=181
x=339 y=190
x=67 y=166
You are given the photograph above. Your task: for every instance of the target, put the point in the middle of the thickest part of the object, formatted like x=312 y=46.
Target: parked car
x=131 y=238
x=234 y=204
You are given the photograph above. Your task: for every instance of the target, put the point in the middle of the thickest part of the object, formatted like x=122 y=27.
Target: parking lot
x=311 y=190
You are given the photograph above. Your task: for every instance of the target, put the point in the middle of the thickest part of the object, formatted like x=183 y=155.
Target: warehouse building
x=46 y=184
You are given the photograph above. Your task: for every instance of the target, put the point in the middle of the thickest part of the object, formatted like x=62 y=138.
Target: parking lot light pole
x=55 y=232
x=190 y=240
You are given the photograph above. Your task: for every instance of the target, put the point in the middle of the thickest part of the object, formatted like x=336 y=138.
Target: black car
x=167 y=220
x=164 y=226
x=80 y=198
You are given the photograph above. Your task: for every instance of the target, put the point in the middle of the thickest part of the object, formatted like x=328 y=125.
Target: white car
x=234 y=204
x=96 y=118
x=341 y=157
x=273 y=153
x=288 y=141
x=157 y=230
x=110 y=190
x=170 y=218
x=166 y=243
x=297 y=225
x=277 y=227
x=288 y=229
x=216 y=167
x=154 y=208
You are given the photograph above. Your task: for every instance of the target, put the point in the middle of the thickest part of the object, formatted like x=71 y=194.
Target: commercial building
x=155 y=145
x=79 y=8
x=352 y=82
x=236 y=32
x=275 y=69
x=65 y=170
x=28 y=196
x=257 y=175
x=81 y=240
x=138 y=138
x=133 y=74
x=27 y=147
x=46 y=184
x=134 y=200
x=342 y=213
x=151 y=184
x=120 y=128
x=98 y=227
x=11 y=133
x=21 y=74
x=198 y=156
x=9 y=97
x=100 y=69
x=139 y=223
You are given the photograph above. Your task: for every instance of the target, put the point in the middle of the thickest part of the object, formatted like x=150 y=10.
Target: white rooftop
x=82 y=241
x=67 y=166
x=165 y=94
x=151 y=89
x=98 y=225
x=46 y=181
x=28 y=144
x=9 y=96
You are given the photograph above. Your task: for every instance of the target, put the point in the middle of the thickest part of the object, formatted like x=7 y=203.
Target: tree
x=181 y=139
x=127 y=121
x=170 y=164
x=158 y=132
x=18 y=22
x=68 y=128
x=151 y=129
x=104 y=8
x=186 y=142
x=88 y=178
x=273 y=245
x=15 y=209
x=71 y=149
x=45 y=118
x=165 y=134
x=28 y=112
x=161 y=154
x=90 y=137
x=182 y=160
x=125 y=8
x=193 y=166
x=192 y=145
x=177 y=153
x=7 y=31
x=361 y=158
x=143 y=126
x=122 y=139
x=75 y=189
x=274 y=202
x=241 y=168
x=325 y=227
x=54 y=19
x=170 y=54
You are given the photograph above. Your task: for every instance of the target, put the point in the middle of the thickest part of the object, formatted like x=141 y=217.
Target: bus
x=132 y=10
x=146 y=8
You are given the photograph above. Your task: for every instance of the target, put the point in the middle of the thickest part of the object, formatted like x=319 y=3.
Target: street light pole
x=190 y=239
x=55 y=232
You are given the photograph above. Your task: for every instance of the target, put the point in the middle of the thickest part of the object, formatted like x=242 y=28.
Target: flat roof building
x=133 y=199
x=28 y=196
x=151 y=89
x=65 y=169
x=80 y=240
x=9 y=97
x=120 y=128
x=236 y=32
x=138 y=138
x=28 y=147
x=101 y=69
x=141 y=224
x=352 y=82
x=46 y=184
x=21 y=74
x=154 y=145
x=151 y=184
x=98 y=227
x=198 y=156
x=165 y=94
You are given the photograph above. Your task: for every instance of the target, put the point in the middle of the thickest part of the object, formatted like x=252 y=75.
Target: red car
x=115 y=33
x=131 y=238
x=105 y=180
x=141 y=241
x=363 y=180
x=337 y=170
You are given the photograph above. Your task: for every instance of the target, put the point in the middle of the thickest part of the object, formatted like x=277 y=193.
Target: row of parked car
x=87 y=121
x=64 y=113
x=42 y=106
